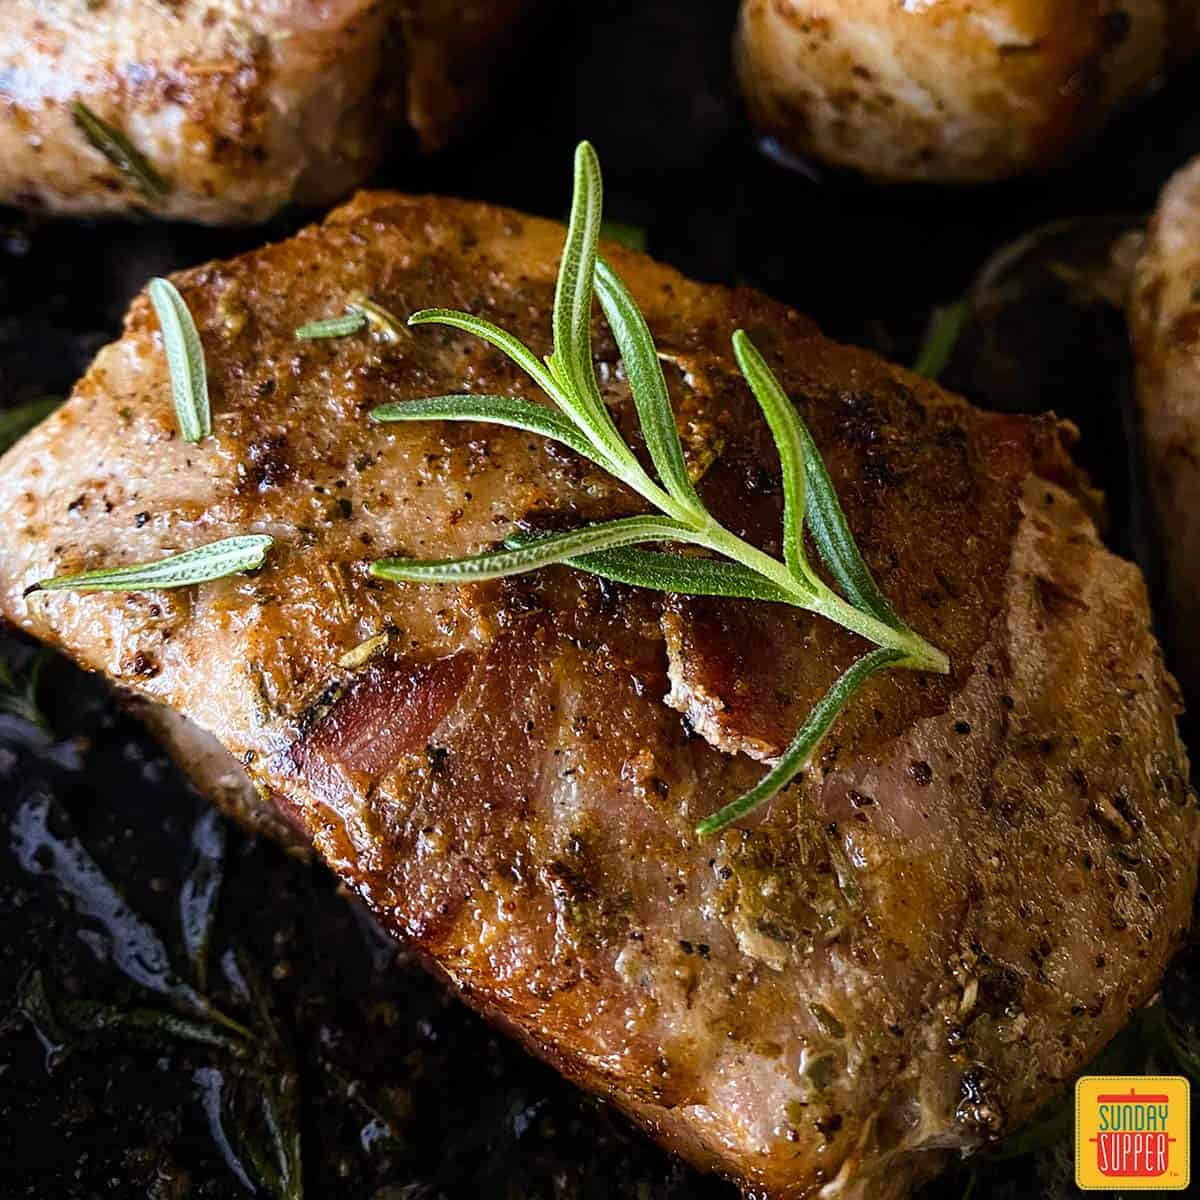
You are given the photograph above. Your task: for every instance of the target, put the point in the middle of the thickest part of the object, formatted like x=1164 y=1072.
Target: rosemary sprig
x=229 y=556
x=568 y=377
x=185 y=360
x=121 y=152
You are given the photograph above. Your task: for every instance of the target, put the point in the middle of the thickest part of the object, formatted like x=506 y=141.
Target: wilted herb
x=229 y=556
x=15 y=422
x=121 y=152
x=185 y=360
x=945 y=328
x=200 y=891
x=263 y=1093
x=19 y=695
x=582 y=422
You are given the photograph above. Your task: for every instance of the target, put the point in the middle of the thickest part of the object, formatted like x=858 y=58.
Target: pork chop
x=1164 y=316
x=238 y=106
x=911 y=949
x=952 y=91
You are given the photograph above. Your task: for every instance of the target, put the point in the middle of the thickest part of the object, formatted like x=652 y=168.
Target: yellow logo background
x=1131 y=1133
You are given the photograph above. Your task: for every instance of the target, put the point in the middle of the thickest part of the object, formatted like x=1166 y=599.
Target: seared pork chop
x=239 y=106
x=913 y=947
x=952 y=91
x=1165 y=319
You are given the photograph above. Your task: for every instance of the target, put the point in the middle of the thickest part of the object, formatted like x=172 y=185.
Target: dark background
x=397 y=1092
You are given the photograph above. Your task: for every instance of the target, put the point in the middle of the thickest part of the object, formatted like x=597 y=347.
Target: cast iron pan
x=117 y=882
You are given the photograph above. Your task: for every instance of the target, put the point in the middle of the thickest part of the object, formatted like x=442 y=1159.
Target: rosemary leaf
x=571 y=363
x=501 y=339
x=331 y=327
x=835 y=543
x=682 y=574
x=648 y=385
x=544 y=552
x=185 y=360
x=795 y=758
x=121 y=152
x=496 y=410
x=945 y=328
x=229 y=556
x=18 y=421
x=787 y=430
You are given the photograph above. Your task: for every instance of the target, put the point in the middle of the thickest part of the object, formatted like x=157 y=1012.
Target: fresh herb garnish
x=332 y=327
x=229 y=556
x=185 y=360
x=945 y=328
x=121 y=152
x=16 y=422
x=583 y=422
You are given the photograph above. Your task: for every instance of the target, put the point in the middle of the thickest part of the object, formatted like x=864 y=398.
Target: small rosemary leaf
x=572 y=319
x=571 y=363
x=679 y=573
x=808 y=737
x=497 y=337
x=544 y=552
x=331 y=327
x=229 y=556
x=185 y=360
x=88 y=1016
x=120 y=151
x=648 y=385
x=495 y=410
x=945 y=328
x=787 y=430
x=835 y=543
x=18 y=421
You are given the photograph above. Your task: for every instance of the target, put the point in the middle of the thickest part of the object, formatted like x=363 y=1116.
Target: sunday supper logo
x=1131 y=1132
